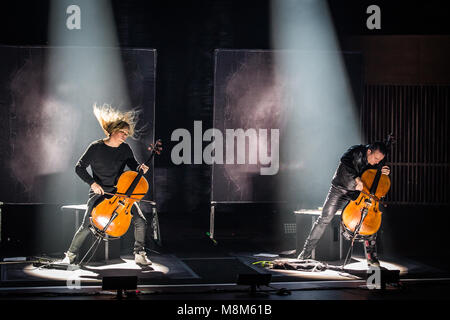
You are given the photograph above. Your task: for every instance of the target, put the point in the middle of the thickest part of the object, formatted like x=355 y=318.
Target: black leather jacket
x=353 y=163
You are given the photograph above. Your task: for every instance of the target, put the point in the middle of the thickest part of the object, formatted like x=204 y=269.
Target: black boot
x=305 y=254
x=310 y=245
x=314 y=236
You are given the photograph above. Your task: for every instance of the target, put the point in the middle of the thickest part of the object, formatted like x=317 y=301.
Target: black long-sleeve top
x=107 y=163
x=352 y=165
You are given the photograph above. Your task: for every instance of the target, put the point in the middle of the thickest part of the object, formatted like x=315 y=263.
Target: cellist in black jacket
x=345 y=186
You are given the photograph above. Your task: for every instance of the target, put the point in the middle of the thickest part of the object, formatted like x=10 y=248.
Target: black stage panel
x=255 y=97
x=30 y=229
x=47 y=96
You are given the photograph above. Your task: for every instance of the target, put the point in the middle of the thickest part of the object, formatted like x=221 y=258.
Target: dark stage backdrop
x=419 y=117
x=251 y=94
x=47 y=120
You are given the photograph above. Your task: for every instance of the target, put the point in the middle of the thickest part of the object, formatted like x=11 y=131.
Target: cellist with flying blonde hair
x=107 y=158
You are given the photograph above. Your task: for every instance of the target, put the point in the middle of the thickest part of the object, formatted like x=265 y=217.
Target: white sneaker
x=141 y=259
x=69 y=258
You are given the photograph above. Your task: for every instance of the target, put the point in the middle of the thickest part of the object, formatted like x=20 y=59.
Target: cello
x=112 y=216
x=362 y=217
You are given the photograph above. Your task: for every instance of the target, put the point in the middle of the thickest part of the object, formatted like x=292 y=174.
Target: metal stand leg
x=77 y=220
x=211 y=223
x=155 y=225
x=313 y=252
x=107 y=248
x=365 y=250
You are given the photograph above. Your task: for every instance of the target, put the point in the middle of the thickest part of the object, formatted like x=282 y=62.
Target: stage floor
x=180 y=276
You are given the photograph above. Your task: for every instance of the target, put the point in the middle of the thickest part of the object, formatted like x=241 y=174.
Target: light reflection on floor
x=93 y=273
x=361 y=265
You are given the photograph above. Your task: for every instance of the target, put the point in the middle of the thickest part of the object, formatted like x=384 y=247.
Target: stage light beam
x=83 y=67
x=320 y=106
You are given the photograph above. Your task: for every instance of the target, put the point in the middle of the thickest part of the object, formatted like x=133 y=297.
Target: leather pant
x=336 y=199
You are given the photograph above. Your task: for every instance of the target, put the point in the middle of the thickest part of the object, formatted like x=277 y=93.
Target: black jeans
x=139 y=221
x=336 y=199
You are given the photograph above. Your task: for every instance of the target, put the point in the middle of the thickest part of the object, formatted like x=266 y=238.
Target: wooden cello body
x=112 y=217
x=367 y=204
